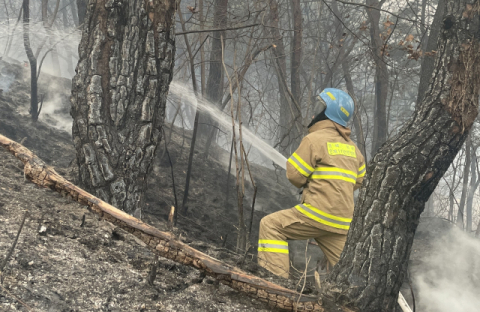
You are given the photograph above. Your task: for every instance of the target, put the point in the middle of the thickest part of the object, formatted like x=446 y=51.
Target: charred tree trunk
x=380 y=126
x=44 y=11
x=119 y=94
x=31 y=59
x=197 y=114
x=82 y=10
x=280 y=63
x=295 y=65
x=215 y=81
x=357 y=117
x=466 y=171
x=68 y=50
x=73 y=9
x=432 y=45
x=296 y=50
x=406 y=170
x=474 y=182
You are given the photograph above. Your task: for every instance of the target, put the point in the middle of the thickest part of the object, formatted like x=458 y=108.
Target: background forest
x=278 y=57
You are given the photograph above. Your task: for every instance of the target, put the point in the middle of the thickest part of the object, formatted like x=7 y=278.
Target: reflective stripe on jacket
x=329 y=166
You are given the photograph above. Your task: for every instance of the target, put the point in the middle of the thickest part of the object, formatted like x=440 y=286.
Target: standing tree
x=31 y=59
x=381 y=75
x=82 y=10
x=406 y=170
x=126 y=58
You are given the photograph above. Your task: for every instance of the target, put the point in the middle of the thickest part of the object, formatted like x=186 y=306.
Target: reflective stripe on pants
x=323 y=217
x=290 y=224
x=273 y=246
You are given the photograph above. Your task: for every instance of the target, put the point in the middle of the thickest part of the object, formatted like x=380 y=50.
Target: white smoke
x=224 y=120
x=53 y=114
x=450 y=280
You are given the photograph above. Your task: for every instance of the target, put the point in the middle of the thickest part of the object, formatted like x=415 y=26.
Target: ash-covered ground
x=69 y=260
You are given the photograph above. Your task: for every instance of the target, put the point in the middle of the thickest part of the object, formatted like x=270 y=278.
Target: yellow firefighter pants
x=290 y=224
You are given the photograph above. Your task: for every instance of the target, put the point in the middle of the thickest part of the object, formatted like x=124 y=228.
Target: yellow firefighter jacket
x=329 y=166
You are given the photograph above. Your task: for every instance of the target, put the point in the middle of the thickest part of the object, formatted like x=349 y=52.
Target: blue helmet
x=340 y=105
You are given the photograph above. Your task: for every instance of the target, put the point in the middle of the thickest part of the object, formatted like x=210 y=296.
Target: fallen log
x=162 y=243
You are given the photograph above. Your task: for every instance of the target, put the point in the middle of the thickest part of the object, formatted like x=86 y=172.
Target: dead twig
x=175 y=212
x=10 y=252
x=16 y=298
x=304 y=276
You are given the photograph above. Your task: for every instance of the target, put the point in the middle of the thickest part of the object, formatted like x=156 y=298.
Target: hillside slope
x=69 y=260
x=60 y=265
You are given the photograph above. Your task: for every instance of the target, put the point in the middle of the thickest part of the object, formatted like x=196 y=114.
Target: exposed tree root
x=162 y=243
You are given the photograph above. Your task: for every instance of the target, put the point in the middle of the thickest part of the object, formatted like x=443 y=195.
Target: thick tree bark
x=119 y=94
x=380 y=123
x=31 y=59
x=406 y=170
x=162 y=243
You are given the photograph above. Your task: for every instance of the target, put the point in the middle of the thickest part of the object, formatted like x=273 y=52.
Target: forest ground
x=62 y=265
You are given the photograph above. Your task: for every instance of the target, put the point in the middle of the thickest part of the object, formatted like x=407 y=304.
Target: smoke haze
x=450 y=280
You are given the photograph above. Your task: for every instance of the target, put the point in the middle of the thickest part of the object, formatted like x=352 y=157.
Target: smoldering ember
x=231 y=155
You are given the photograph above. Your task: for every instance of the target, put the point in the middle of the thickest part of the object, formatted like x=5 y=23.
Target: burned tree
x=406 y=170
x=31 y=59
x=81 y=9
x=119 y=94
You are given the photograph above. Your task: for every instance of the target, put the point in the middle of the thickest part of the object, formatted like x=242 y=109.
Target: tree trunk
x=432 y=45
x=68 y=50
x=197 y=114
x=380 y=125
x=357 y=118
x=82 y=10
x=44 y=11
x=73 y=8
x=466 y=170
x=406 y=170
x=471 y=191
x=451 y=195
x=214 y=88
x=343 y=54
x=31 y=59
x=280 y=63
x=295 y=65
x=118 y=96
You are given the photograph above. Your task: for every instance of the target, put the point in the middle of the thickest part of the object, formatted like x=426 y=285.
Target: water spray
x=180 y=90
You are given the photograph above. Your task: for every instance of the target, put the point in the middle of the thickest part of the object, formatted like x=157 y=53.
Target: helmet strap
x=318 y=118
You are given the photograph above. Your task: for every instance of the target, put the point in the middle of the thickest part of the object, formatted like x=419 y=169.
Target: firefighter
x=329 y=167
